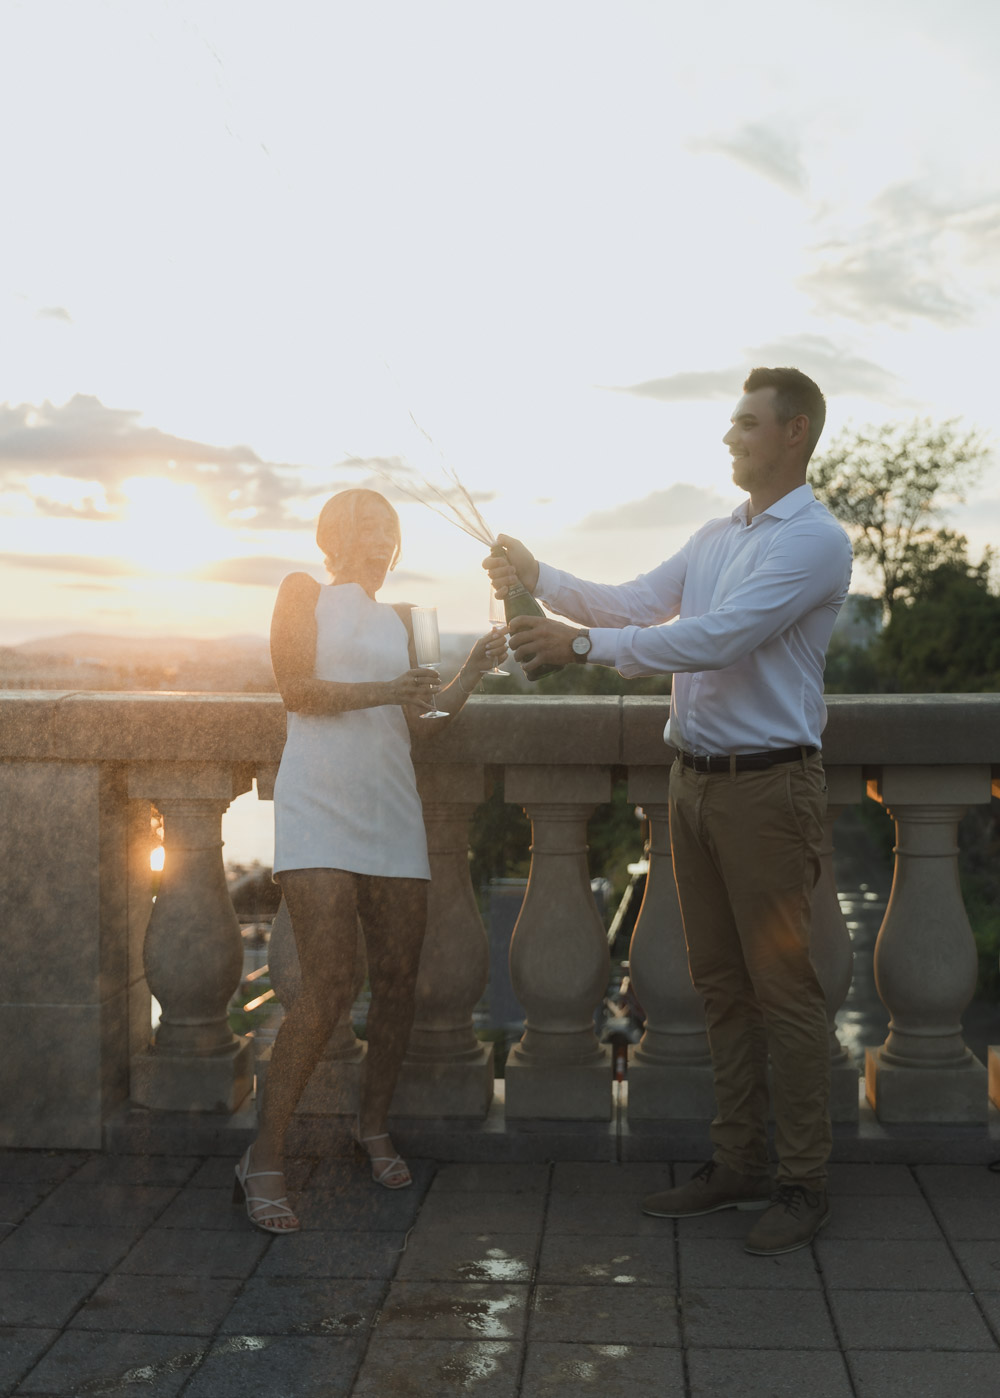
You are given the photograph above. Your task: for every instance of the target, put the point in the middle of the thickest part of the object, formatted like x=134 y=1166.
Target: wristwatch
x=581 y=647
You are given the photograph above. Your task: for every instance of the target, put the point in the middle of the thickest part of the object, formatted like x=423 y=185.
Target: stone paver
x=469 y=1257
x=968 y=1219
x=871 y=1217
x=185 y=1305
x=979 y=1261
x=173 y=1252
x=272 y=1366
x=605 y=1315
x=52 y=1247
x=446 y=1311
x=421 y=1368
x=43 y=1298
x=610 y=1215
x=366 y=1207
x=104 y=1205
x=492 y=1179
x=297 y=1306
x=133 y=1275
x=585 y=1260
x=332 y=1253
x=80 y=1365
x=896 y=1265
x=490 y=1213
x=901 y=1320
x=613 y=1371
x=882 y=1180
x=745 y=1319
x=725 y=1373
x=716 y=1262
x=925 y=1374
x=19 y=1350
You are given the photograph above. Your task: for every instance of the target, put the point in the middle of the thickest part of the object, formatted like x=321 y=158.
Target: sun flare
x=168 y=529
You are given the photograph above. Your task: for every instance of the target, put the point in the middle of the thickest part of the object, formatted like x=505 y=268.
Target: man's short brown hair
x=795 y=393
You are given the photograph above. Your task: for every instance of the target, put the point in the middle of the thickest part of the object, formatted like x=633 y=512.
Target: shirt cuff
x=603 y=646
x=548 y=581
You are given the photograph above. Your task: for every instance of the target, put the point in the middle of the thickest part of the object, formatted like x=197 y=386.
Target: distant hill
x=141 y=650
x=89 y=660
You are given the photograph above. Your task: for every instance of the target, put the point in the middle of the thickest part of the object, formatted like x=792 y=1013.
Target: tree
x=887 y=486
x=947 y=638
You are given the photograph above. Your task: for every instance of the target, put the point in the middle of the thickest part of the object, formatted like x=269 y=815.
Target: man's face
x=757 y=441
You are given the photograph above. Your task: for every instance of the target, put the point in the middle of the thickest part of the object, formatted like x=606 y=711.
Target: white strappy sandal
x=393 y=1164
x=273 y=1222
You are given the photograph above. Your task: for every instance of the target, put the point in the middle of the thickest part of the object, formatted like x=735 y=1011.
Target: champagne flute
x=427 y=644
x=498 y=617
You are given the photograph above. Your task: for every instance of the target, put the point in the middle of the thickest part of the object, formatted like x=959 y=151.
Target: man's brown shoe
x=714 y=1186
x=795 y=1217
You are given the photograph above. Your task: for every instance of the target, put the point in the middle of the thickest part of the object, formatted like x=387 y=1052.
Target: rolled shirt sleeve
x=742 y=615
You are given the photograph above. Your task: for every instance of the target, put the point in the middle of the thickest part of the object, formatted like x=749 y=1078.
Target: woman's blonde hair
x=338 y=521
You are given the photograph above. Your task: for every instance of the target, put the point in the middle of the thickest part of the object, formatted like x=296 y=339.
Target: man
x=755 y=597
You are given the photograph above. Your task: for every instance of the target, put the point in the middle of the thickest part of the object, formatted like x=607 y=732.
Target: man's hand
x=548 y=642
x=518 y=565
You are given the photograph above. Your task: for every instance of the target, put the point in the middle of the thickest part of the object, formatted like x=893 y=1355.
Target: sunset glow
x=267 y=270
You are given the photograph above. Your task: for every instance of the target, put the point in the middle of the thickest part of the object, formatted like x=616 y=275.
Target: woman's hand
x=417 y=686
x=488 y=652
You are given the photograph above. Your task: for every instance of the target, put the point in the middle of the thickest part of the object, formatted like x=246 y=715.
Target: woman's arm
x=293 y=659
x=488 y=651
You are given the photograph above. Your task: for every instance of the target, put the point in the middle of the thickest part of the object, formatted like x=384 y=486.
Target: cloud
x=679 y=504
x=252 y=572
x=55 y=313
x=74 y=563
x=269 y=572
x=917 y=257
x=763 y=149
x=836 y=370
x=85 y=440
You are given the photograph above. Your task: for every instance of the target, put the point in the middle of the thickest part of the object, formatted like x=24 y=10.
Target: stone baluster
x=448 y=1072
x=670 y=1070
x=559 y=961
x=193 y=951
x=830 y=943
x=925 y=956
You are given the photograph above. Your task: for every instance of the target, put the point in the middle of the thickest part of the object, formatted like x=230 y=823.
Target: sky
x=250 y=247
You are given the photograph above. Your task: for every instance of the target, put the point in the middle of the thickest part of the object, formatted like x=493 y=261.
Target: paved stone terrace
x=134 y=1275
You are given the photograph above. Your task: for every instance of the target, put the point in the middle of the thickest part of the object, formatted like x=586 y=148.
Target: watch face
x=581 y=645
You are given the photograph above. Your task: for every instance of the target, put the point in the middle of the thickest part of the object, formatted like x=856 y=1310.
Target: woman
x=349 y=833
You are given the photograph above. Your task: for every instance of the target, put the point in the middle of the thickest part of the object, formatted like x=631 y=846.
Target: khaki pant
x=746 y=859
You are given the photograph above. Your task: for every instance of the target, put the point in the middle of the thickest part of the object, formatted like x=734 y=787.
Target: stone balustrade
x=85 y=946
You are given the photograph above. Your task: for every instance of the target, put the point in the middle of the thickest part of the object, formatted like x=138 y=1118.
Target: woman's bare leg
x=394 y=919
x=322 y=904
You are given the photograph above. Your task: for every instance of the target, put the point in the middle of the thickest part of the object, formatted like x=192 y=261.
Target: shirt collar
x=784 y=508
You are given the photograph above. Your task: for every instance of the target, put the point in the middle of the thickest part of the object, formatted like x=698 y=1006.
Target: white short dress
x=346 y=796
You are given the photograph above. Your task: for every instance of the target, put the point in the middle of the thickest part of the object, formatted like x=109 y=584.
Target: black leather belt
x=744 y=761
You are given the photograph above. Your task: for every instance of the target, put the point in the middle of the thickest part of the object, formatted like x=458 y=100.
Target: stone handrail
x=78 y=773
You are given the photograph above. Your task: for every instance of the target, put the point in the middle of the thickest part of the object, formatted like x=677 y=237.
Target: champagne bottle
x=519 y=602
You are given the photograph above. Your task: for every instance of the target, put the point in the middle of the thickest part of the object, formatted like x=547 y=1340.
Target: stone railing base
x=456 y=1090
x=582 y=1091
x=678 y=1090
x=178 y=1083
x=132 y=1131
x=944 y=1095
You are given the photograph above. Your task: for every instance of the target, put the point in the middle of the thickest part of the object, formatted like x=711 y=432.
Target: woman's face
x=371 y=546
